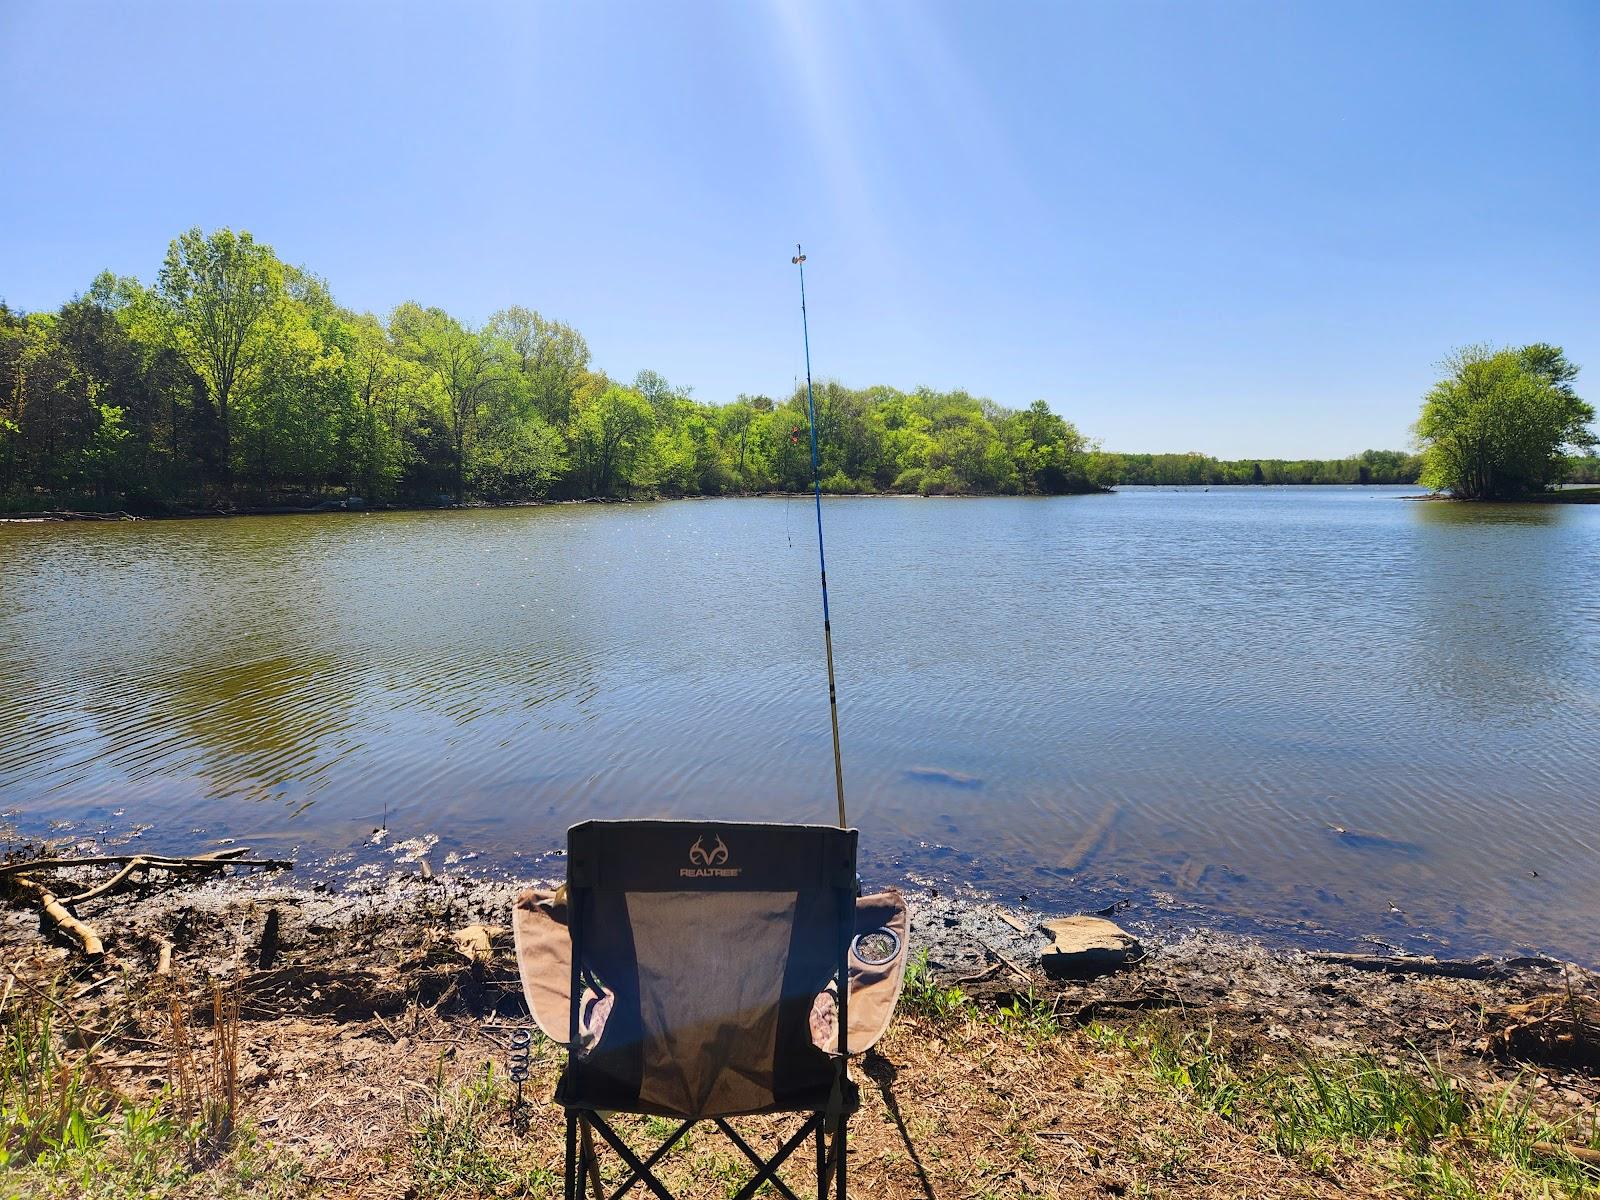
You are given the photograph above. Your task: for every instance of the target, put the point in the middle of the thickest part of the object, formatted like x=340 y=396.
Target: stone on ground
x=1084 y=947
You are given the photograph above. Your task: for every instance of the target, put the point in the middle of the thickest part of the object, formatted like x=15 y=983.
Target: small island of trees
x=1503 y=424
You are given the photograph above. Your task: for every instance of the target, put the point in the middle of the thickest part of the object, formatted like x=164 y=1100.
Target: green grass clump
x=453 y=1152
x=1192 y=1062
x=923 y=996
x=1425 y=1128
x=1365 y=1099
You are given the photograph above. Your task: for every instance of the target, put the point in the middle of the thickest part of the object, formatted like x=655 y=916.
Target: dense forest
x=237 y=380
x=1370 y=466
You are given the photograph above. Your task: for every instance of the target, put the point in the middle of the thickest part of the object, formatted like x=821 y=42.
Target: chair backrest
x=703 y=955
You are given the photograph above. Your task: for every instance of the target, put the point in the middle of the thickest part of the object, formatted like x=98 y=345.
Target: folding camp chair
x=706 y=971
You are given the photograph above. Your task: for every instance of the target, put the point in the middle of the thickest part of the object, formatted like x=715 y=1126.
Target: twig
x=1010 y=920
x=164 y=959
x=105 y=887
x=1016 y=970
x=987 y=971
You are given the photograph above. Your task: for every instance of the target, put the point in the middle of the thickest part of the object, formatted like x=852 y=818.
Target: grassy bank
x=369 y=1058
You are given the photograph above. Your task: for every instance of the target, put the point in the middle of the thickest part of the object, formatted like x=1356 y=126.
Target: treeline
x=1370 y=466
x=237 y=379
x=1583 y=470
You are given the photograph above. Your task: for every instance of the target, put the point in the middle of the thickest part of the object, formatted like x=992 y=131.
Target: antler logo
x=715 y=857
x=709 y=864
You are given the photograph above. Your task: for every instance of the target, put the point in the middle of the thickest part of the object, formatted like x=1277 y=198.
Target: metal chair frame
x=829 y=1125
x=583 y=1164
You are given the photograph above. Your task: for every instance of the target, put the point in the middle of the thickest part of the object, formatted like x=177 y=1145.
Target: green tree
x=551 y=358
x=463 y=366
x=610 y=437
x=220 y=291
x=1501 y=423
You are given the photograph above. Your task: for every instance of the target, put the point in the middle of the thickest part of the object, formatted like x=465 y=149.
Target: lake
x=1324 y=713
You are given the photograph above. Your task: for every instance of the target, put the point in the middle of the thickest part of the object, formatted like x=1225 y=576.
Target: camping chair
x=706 y=971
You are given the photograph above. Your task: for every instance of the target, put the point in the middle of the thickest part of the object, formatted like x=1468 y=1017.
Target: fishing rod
x=799 y=260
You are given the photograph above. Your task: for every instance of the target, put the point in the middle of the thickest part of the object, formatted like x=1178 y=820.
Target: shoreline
x=366 y=1013
x=1577 y=494
x=45 y=516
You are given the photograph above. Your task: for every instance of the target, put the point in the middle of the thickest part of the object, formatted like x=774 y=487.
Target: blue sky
x=1247 y=229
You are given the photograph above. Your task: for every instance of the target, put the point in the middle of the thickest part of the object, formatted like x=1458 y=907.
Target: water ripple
x=1186 y=694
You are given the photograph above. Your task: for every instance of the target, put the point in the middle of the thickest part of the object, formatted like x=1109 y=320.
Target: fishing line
x=799 y=260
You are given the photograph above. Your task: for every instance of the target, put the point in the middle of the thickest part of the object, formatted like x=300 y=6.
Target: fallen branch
x=1086 y=845
x=1477 y=968
x=56 y=908
x=1590 y=1158
x=217 y=858
x=87 y=938
x=1015 y=970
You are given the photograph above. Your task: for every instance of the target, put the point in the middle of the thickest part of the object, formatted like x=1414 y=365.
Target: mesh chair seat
x=705 y=971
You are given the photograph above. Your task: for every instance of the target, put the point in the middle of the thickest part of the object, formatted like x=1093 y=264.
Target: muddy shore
x=383 y=948
x=356 y=1006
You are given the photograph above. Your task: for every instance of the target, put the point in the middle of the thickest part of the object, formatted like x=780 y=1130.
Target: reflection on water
x=1301 y=708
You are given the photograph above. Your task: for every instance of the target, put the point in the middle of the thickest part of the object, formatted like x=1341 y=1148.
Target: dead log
x=87 y=938
x=1449 y=968
x=1085 y=847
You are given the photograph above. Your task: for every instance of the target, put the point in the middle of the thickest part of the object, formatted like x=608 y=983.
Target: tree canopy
x=238 y=379
x=1502 y=423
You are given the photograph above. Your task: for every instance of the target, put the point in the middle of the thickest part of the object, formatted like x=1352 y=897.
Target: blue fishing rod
x=799 y=260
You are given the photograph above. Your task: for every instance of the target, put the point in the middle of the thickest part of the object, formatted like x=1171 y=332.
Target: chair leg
x=570 y=1175
x=591 y=1160
x=844 y=1128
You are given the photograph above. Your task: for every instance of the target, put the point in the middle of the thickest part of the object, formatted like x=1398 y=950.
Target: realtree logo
x=709 y=864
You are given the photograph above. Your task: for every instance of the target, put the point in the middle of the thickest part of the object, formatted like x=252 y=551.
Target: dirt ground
x=372 y=1050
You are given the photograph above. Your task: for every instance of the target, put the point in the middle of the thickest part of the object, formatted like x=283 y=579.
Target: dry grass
x=150 y=1088
x=958 y=1103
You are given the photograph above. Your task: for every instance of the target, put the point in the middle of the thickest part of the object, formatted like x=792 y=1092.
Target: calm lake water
x=1168 y=697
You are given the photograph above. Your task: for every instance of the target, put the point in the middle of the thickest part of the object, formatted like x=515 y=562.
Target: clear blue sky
x=1247 y=229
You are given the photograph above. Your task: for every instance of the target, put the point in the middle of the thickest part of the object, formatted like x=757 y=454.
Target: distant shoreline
x=1573 y=495
x=58 y=515
x=1583 y=494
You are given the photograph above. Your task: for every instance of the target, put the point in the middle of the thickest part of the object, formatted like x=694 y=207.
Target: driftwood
x=1449 y=968
x=1019 y=926
x=65 y=514
x=57 y=908
x=86 y=937
x=231 y=857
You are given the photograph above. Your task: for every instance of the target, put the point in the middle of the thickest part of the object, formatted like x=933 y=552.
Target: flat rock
x=1084 y=947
